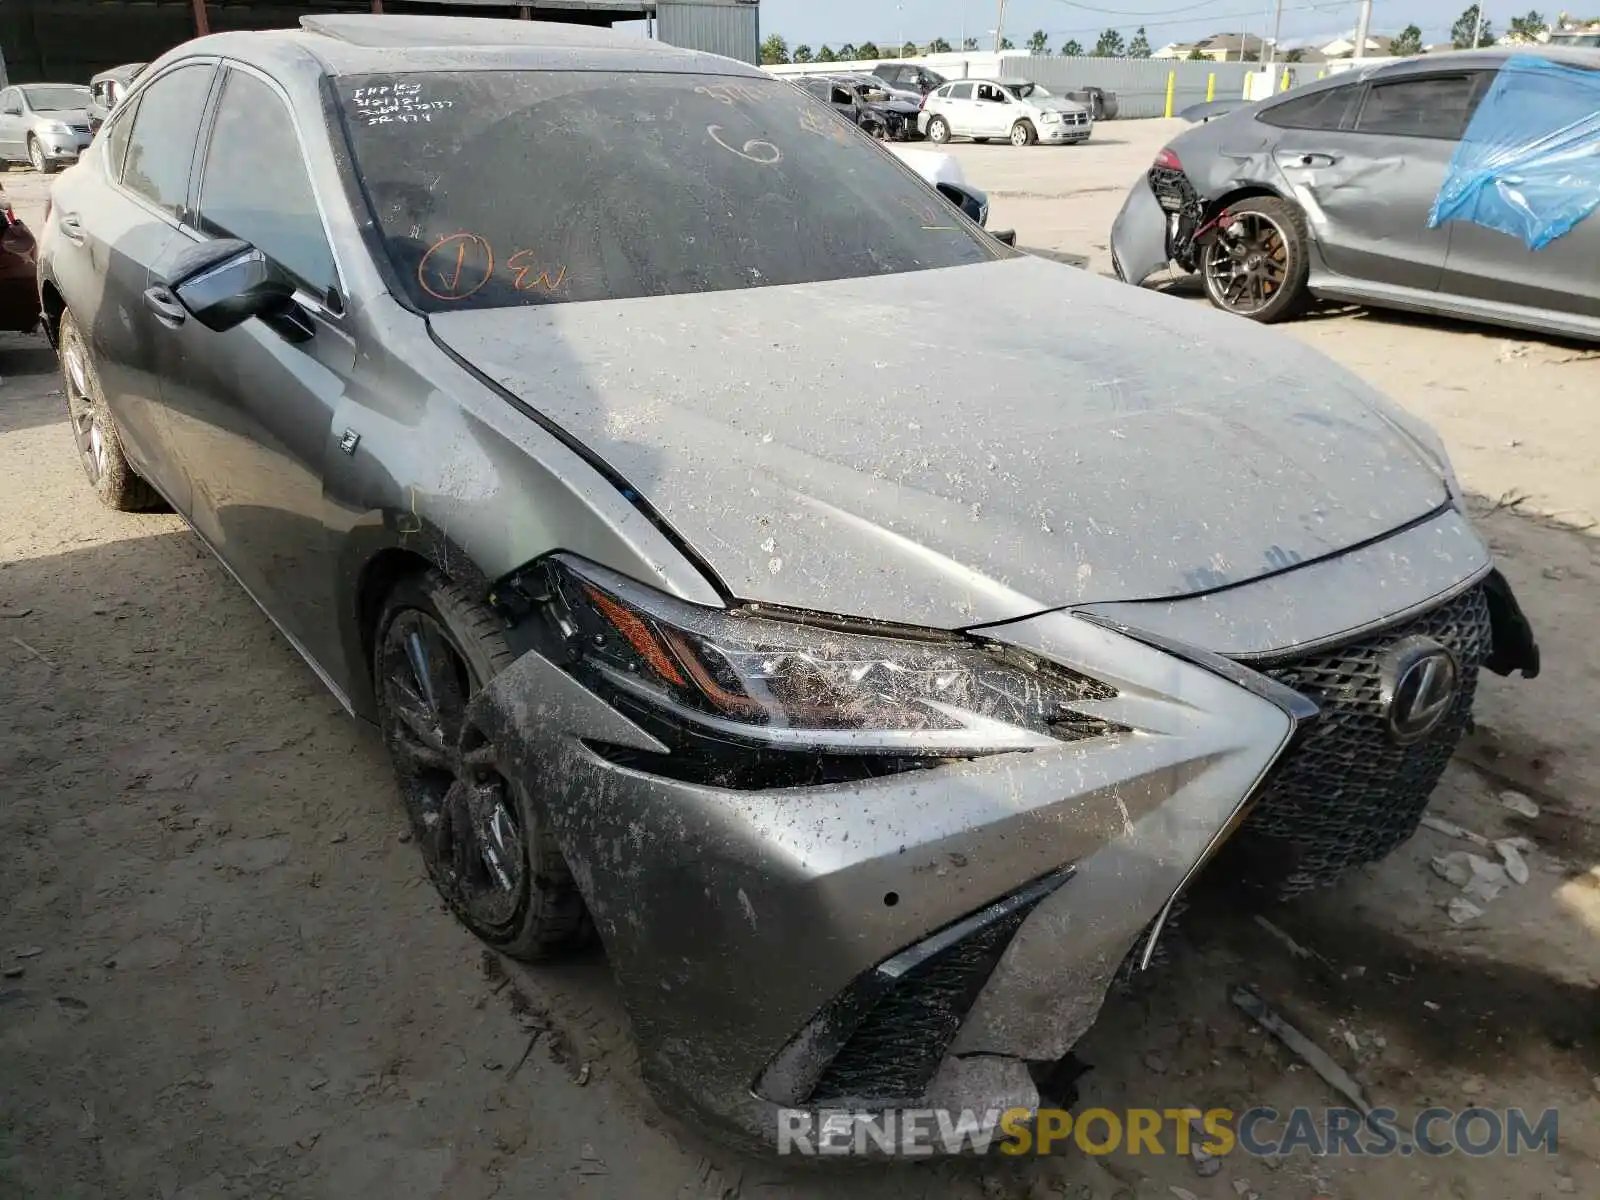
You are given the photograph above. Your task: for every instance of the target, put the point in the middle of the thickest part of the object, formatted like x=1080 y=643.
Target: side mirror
x=1006 y=237
x=225 y=282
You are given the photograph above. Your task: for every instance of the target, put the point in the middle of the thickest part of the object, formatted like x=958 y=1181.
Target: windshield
x=1575 y=39
x=497 y=188
x=1029 y=91
x=56 y=97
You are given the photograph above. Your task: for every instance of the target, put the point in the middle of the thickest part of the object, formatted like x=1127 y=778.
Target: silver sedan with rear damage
x=1457 y=184
x=566 y=401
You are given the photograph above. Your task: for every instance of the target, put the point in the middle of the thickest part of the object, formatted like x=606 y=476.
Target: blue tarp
x=1529 y=164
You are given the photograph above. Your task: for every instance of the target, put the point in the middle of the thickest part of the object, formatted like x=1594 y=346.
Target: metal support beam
x=377 y=6
x=202 y=26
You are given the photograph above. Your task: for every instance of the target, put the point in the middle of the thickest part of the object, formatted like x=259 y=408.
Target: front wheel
x=36 y=157
x=485 y=843
x=1256 y=263
x=116 y=484
x=1022 y=134
x=938 y=131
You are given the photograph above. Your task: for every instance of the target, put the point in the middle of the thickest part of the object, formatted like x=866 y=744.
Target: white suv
x=985 y=109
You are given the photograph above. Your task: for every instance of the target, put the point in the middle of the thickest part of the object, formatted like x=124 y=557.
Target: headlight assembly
x=786 y=684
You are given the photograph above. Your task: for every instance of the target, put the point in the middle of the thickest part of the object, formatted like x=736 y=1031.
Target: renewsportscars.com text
x=1259 y=1132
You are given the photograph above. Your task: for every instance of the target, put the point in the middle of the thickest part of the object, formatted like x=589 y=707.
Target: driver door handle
x=164 y=304
x=1313 y=158
x=71 y=228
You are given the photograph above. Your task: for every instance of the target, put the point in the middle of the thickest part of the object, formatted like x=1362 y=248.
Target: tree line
x=1112 y=44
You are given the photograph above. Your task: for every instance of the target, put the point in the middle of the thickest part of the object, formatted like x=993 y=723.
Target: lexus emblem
x=1420 y=681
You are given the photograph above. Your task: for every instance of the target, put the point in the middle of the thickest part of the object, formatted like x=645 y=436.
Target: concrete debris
x=1183 y=1193
x=1513 y=862
x=1479 y=879
x=29 y=952
x=1565 y=1185
x=1451 y=829
x=1352 y=1041
x=13 y=972
x=1155 y=1063
x=1461 y=911
x=1453 y=869
x=1519 y=804
x=1431 y=1005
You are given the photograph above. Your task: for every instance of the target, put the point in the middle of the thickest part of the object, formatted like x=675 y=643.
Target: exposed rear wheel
x=115 y=482
x=1022 y=134
x=938 y=130
x=485 y=843
x=1257 y=262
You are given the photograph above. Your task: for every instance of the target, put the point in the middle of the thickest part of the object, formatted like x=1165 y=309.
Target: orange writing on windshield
x=530 y=276
x=456 y=266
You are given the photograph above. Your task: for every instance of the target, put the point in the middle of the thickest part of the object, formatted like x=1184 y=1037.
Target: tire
x=37 y=159
x=1260 y=274
x=938 y=131
x=517 y=895
x=1023 y=134
x=116 y=484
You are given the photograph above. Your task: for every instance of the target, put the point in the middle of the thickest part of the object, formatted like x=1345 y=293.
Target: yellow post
x=1172 y=84
x=1285 y=86
x=1211 y=87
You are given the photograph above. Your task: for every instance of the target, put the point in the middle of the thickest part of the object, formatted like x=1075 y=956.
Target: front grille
x=1345 y=794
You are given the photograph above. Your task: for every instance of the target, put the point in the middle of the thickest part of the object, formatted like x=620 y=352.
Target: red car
x=19 y=282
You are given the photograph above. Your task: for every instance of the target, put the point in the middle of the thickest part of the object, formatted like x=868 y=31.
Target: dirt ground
x=224 y=974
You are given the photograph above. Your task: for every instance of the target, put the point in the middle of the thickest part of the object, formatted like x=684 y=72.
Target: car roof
x=1488 y=58
x=366 y=44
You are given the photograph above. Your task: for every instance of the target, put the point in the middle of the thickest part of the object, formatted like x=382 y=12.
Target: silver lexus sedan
x=734 y=563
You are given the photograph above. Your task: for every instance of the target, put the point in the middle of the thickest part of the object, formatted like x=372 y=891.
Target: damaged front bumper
x=932 y=938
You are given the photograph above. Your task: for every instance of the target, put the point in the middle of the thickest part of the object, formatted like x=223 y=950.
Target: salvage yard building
x=68 y=41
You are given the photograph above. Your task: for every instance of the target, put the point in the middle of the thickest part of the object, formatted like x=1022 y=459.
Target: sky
x=897 y=21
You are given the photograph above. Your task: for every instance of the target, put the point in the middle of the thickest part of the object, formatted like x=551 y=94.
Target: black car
x=909 y=77
x=861 y=100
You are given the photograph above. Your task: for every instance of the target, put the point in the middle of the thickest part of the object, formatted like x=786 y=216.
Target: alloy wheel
x=461 y=808
x=86 y=411
x=36 y=155
x=1247 y=263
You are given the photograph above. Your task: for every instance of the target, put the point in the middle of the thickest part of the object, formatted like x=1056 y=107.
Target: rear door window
x=1433 y=106
x=253 y=126
x=1326 y=109
x=961 y=91
x=161 y=143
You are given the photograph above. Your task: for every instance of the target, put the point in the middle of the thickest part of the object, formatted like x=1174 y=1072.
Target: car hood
x=67 y=116
x=967 y=445
x=1060 y=106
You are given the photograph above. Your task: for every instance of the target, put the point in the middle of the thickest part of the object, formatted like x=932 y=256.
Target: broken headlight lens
x=785 y=684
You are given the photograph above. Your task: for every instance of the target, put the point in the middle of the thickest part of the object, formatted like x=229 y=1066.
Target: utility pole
x=1477 y=24
x=1277 y=24
x=1362 y=27
x=1000 y=26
